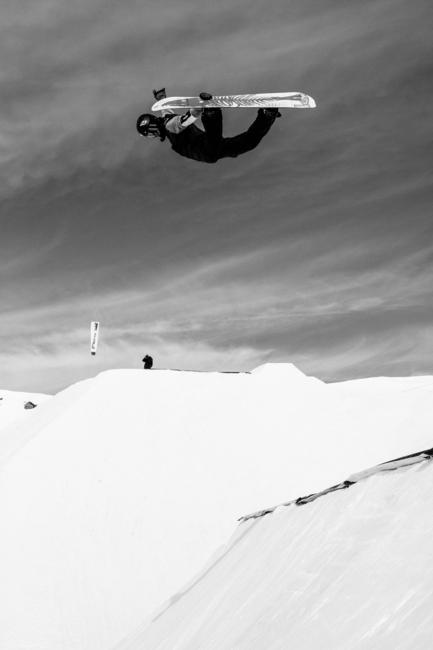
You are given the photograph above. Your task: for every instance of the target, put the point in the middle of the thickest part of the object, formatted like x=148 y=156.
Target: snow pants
x=219 y=147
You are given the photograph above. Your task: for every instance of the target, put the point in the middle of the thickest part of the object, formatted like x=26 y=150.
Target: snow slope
x=353 y=570
x=117 y=490
x=12 y=405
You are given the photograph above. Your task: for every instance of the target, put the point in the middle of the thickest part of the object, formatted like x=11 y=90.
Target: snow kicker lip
x=396 y=463
x=254 y=100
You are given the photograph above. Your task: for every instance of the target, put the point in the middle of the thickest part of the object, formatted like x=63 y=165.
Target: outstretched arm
x=179 y=123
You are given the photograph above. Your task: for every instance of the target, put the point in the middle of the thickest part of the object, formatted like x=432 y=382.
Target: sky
x=316 y=248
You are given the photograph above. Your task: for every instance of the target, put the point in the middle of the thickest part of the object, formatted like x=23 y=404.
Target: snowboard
x=257 y=100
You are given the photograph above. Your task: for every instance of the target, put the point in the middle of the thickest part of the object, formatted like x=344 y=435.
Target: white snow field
x=351 y=571
x=116 y=491
x=12 y=405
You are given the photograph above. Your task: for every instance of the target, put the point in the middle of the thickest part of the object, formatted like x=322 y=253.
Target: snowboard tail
x=257 y=100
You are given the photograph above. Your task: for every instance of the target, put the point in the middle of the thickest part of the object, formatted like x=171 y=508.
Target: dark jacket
x=148 y=362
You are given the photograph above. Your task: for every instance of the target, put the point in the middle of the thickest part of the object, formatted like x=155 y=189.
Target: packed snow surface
x=117 y=490
x=352 y=570
x=12 y=405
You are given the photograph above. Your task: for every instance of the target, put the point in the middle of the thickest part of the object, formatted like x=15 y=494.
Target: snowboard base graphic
x=257 y=100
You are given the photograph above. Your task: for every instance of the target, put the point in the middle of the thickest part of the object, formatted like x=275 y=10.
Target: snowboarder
x=209 y=145
x=148 y=362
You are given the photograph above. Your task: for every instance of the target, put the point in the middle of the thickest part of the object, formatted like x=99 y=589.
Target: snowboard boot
x=269 y=112
x=159 y=94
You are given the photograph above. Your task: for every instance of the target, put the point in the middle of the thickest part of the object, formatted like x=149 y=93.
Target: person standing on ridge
x=148 y=362
x=206 y=145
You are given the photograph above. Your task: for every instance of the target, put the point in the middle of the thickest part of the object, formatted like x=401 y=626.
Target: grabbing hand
x=159 y=94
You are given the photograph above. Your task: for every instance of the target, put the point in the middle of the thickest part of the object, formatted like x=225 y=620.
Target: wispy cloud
x=314 y=248
x=220 y=310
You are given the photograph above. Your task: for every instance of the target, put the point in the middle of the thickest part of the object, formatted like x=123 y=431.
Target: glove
x=159 y=94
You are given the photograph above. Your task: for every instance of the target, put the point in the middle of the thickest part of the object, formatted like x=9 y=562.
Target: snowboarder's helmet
x=148 y=125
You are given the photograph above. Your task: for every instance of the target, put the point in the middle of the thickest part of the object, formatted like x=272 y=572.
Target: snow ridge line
x=396 y=463
x=208 y=372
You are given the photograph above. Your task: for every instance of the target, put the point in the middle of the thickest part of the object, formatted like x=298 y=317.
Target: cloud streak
x=315 y=248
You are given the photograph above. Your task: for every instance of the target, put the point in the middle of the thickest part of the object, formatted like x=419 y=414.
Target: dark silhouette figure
x=148 y=362
x=208 y=144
